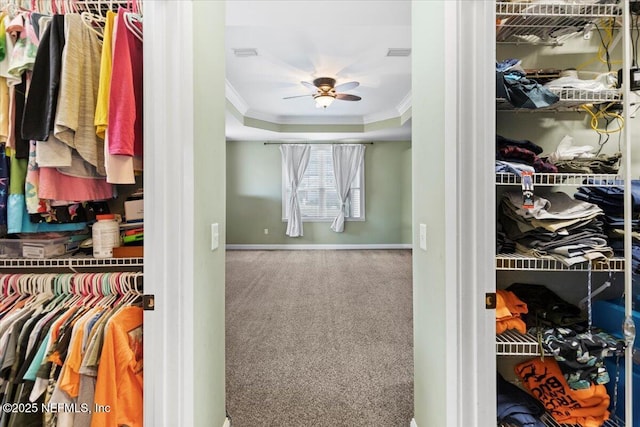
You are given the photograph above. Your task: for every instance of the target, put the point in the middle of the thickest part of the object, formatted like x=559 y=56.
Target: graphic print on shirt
x=547 y=388
x=135 y=342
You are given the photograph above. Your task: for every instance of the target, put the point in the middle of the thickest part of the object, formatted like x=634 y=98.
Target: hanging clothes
x=45 y=342
x=125 y=94
x=101 y=119
x=78 y=92
x=119 y=382
x=120 y=168
x=40 y=107
x=4 y=189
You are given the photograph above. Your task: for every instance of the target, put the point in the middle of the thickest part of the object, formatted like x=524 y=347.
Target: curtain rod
x=316 y=142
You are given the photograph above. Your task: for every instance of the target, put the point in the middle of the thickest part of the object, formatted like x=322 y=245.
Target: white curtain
x=295 y=158
x=346 y=160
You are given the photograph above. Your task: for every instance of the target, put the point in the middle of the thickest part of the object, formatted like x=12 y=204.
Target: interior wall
x=254 y=198
x=208 y=188
x=429 y=152
x=184 y=194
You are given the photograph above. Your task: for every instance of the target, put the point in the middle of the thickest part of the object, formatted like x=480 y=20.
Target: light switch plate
x=215 y=236
x=423 y=237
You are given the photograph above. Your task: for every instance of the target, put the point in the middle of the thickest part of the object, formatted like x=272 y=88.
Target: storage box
x=37 y=248
x=134 y=210
x=128 y=252
x=610 y=363
x=609 y=316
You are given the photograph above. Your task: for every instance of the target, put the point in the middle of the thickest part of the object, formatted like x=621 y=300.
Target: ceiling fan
x=326 y=91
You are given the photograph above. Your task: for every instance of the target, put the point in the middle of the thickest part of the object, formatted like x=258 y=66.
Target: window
x=317 y=192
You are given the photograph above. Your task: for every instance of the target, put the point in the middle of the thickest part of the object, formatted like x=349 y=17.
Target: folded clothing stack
x=564 y=333
x=504 y=245
x=557 y=227
x=581 y=355
x=545 y=381
x=611 y=201
x=509 y=308
x=517 y=155
x=546 y=308
x=603 y=163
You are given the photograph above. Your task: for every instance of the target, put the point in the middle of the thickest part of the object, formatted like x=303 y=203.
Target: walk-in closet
x=566 y=172
x=71 y=213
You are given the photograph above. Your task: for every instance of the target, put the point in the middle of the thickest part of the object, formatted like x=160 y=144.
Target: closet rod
x=316 y=142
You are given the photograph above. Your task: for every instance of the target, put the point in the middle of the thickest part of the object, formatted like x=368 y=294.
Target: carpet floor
x=319 y=338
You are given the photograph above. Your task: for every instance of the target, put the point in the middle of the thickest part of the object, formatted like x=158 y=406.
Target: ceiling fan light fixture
x=324 y=100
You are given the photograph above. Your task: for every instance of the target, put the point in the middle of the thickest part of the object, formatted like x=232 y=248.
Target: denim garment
x=526 y=93
x=613 y=194
x=515 y=406
x=512 y=167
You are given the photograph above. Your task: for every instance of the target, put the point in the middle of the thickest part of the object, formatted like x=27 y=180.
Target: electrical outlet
x=266 y=231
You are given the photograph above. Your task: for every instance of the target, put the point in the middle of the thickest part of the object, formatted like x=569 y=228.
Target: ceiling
x=301 y=40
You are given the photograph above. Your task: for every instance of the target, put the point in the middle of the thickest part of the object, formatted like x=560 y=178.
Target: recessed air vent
x=394 y=51
x=245 y=52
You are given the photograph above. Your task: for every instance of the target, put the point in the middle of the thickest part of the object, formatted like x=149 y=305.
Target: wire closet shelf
x=550 y=422
x=549 y=22
x=521 y=262
x=513 y=343
x=568 y=179
x=570 y=98
x=70 y=262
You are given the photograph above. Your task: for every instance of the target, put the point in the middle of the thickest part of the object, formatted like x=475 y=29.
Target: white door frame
x=168 y=117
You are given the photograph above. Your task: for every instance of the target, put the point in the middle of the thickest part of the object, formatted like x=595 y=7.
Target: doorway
x=319 y=328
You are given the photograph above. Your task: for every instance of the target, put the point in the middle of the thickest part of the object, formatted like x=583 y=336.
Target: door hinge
x=490 y=300
x=148 y=302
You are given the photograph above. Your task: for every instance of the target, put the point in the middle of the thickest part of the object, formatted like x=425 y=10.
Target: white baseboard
x=227 y=423
x=413 y=423
x=295 y=247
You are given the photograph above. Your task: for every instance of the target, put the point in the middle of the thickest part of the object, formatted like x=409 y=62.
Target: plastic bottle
x=105 y=234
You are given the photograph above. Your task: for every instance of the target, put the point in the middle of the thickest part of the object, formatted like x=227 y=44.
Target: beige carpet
x=319 y=338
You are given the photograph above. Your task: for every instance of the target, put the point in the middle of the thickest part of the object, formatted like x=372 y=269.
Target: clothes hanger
x=94 y=22
x=131 y=21
x=96 y=289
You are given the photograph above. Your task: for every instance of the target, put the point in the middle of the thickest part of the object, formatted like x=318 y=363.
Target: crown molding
x=234 y=97
x=404 y=105
x=395 y=116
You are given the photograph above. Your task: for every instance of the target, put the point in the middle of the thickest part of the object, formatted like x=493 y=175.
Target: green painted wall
x=208 y=208
x=254 y=198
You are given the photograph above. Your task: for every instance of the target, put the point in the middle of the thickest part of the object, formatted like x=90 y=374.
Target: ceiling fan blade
x=347 y=86
x=309 y=85
x=347 y=97
x=297 y=96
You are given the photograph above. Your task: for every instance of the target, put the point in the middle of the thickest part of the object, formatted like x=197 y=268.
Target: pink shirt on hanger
x=125 y=95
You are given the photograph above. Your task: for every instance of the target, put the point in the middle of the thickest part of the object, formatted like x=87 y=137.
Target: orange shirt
x=508 y=310
x=119 y=382
x=70 y=376
x=545 y=381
